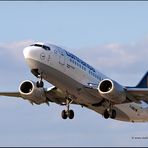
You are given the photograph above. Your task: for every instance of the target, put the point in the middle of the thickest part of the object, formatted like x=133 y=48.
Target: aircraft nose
x=31 y=52
x=27 y=52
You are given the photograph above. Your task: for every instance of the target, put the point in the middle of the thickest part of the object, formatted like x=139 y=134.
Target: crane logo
x=42 y=56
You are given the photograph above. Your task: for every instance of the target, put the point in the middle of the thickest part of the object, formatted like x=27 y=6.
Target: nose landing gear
x=40 y=83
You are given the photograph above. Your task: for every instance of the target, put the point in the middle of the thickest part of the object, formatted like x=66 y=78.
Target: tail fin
x=144 y=81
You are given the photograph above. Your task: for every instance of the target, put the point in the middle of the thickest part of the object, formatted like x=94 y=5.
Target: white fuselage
x=69 y=73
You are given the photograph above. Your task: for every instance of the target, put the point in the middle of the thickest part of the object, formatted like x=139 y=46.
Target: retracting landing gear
x=68 y=113
x=40 y=83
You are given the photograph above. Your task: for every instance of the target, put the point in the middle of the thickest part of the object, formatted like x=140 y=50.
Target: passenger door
x=61 y=57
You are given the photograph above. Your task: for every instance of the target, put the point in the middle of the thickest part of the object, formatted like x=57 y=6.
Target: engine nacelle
x=112 y=91
x=29 y=91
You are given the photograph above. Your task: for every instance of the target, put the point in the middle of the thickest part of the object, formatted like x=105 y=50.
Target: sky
x=111 y=36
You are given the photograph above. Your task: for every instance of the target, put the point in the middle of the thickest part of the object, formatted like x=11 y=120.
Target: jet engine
x=29 y=91
x=112 y=91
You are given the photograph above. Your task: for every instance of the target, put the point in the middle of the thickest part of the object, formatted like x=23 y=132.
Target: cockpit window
x=37 y=45
x=43 y=46
x=46 y=47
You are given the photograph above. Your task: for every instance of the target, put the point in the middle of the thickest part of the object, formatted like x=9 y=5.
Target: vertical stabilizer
x=144 y=81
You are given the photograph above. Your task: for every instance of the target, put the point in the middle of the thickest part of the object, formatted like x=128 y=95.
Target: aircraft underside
x=70 y=88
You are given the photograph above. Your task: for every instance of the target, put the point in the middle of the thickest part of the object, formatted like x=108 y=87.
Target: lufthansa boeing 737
x=76 y=82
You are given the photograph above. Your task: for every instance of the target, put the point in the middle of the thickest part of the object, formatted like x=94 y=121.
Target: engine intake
x=29 y=91
x=105 y=86
x=26 y=87
x=112 y=91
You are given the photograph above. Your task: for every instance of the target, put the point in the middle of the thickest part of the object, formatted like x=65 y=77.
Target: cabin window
x=75 y=63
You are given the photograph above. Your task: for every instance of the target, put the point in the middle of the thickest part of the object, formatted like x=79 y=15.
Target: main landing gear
x=40 y=83
x=68 y=113
x=109 y=112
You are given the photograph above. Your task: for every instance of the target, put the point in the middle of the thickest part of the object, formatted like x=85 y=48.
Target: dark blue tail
x=144 y=82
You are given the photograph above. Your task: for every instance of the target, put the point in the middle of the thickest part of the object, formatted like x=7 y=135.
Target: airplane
x=76 y=82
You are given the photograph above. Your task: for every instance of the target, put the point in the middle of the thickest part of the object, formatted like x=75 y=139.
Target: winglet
x=144 y=81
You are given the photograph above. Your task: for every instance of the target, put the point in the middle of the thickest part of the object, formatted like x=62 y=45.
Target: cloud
x=117 y=56
x=14 y=67
x=14 y=49
x=118 y=60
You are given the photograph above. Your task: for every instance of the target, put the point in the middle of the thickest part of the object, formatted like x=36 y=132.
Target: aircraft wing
x=92 y=90
x=53 y=94
x=138 y=93
x=133 y=94
x=56 y=95
x=10 y=94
